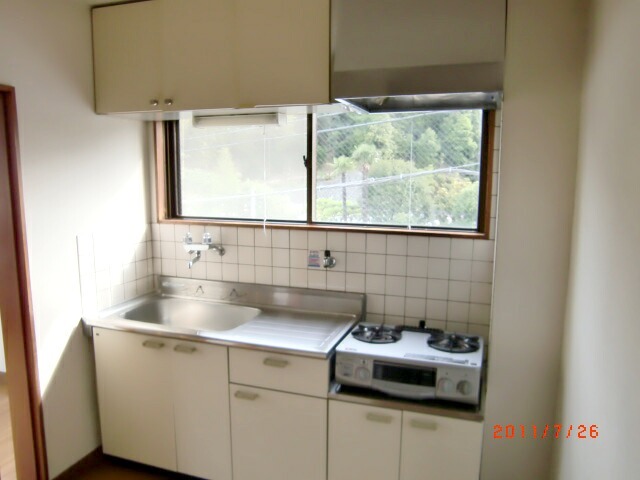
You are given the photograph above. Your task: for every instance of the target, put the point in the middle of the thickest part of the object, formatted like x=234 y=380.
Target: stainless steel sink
x=191 y=314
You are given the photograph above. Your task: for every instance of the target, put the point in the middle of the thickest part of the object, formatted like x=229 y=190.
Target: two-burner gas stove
x=412 y=363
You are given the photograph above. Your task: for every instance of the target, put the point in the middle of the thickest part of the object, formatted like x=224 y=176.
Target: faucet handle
x=328 y=261
x=188 y=239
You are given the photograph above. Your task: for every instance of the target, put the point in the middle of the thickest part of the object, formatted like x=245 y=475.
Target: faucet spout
x=195 y=258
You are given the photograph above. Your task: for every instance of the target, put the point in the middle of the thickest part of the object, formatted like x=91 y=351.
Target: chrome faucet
x=196 y=249
x=195 y=258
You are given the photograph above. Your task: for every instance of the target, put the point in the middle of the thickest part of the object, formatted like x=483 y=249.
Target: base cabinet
x=384 y=444
x=164 y=402
x=277 y=435
x=440 y=448
x=363 y=442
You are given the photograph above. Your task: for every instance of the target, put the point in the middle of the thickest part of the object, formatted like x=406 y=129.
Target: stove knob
x=362 y=373
x=464 y=387
x=445 y=385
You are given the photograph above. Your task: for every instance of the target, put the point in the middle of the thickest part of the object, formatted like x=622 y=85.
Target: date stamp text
x=556 y=430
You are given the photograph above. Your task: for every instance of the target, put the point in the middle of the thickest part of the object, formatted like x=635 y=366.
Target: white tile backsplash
x=439 y=247
x=317 y=241
x=397 y=245
x=114 y=268
x=356 y=242
x=407 y=278
x=298 y=239
x=376 y=243
x=375 y=263
x=446 y=281
x=396 y=265
x=262 y=237
x=336 y=241
x=280 y=238
x=246 y=237
x=375 y=283
x=336 y=281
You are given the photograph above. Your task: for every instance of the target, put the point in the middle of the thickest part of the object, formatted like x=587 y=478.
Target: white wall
x=537 y=176
x=79 y=171
x=601 y=355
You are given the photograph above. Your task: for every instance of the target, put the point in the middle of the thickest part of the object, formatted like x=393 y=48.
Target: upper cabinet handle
x=168 y=101
x=275 y=362
x=184 y=348
x=423 y=424
x=153 y=344
x=378 y=417
x=154 y=102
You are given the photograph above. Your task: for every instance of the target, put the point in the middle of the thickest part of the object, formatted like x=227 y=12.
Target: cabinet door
x=198 y=69
x=127 y=52
x=134 y=394
x=282 y=51
x=277 y=435
x=439 y=448
x=364 y=442
x=201 y=410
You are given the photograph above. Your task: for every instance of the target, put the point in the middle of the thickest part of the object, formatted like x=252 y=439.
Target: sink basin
x=191 y=314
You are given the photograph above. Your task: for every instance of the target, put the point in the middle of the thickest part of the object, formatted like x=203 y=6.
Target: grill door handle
x=379 y=417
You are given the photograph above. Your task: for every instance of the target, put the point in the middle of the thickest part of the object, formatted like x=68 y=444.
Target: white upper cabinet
x=172 y=55
x=197 y=58
x=127 y=57
x=282 y=51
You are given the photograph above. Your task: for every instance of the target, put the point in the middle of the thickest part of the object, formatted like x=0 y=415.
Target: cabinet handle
x=245 y=395
x=168 y=101
x=184 y=348
x=154 y=102
x=378 y=417
x=275 y=362
x=423 y=424
x=152 y=344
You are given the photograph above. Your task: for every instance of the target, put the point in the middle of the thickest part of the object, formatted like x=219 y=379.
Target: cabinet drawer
x=289 y=373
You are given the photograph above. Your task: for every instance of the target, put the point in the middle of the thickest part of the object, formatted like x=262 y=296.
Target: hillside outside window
x=426 y=172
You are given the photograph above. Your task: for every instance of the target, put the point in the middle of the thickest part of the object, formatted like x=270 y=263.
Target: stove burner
x=454 y=342
x=376 y=334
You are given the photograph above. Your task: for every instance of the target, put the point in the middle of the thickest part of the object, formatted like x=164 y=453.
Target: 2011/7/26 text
x=548 y=431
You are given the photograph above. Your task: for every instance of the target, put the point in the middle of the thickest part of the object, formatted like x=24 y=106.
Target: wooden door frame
x=15 y=300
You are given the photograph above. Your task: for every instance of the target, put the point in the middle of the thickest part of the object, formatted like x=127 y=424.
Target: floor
x=7 y=464
x=111 y=468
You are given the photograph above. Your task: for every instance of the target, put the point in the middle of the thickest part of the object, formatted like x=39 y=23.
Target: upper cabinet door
x=172 y=55
x=282 y=51
x=198 y=62
x=128 y=57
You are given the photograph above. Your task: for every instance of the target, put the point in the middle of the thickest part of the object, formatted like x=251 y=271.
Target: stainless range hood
x=410 y=55
x=433 y=101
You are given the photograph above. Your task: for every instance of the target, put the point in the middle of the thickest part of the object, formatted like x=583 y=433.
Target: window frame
x=167 y=179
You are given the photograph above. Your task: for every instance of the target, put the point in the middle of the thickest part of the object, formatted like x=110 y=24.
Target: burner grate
x=454 y=343
x=376 y=334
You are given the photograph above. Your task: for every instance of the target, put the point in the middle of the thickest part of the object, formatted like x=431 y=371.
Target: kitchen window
x=422 y=172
